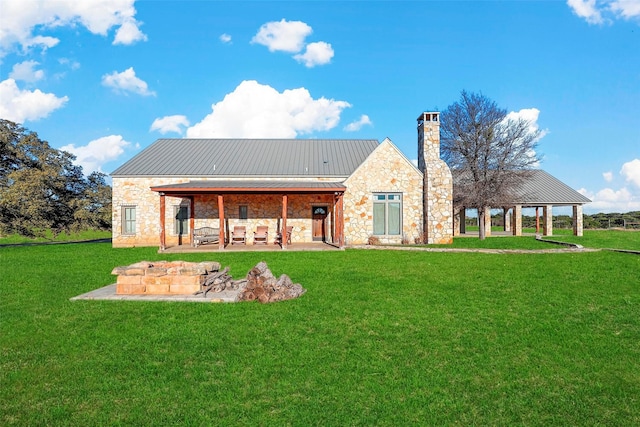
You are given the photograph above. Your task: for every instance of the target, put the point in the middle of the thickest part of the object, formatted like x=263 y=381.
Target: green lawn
x=380 y=338
x=606 y=239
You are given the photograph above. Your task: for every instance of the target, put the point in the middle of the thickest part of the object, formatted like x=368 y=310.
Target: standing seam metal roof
x=249 y=157
x=542 y=188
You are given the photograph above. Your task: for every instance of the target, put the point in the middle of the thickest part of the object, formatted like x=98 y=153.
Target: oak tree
x=41 y=189
x=488 y=151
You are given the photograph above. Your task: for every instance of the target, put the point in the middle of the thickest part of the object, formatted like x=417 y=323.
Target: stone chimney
x=438 y=183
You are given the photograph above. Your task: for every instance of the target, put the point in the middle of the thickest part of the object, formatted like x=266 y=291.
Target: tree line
x=628 y=220
x=42 y=190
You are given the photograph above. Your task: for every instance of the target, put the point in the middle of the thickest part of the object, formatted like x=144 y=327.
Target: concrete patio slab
x=109 y=293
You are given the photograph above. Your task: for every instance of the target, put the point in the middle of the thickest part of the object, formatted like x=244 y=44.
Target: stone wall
x=162 y=277
x=263 y=209
x=438 y=182
x=136 y=192
x=386 y=170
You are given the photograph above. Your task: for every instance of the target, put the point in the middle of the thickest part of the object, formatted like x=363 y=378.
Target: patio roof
x=250 y=186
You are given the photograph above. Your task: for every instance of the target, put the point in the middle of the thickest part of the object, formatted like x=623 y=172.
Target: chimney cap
x=429 y=116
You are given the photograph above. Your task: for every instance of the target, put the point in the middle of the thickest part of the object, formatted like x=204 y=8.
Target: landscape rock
x=262 y=285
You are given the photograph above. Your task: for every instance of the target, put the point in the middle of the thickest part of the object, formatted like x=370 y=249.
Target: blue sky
x=105 y=78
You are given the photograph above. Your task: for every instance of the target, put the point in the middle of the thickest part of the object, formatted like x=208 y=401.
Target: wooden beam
x=221 y=217
x=284 y=221
x=192 y=221
x=339 y=210
x=162 y=220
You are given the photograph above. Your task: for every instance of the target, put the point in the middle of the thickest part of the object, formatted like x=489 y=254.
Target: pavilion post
x=221 y=218
x=516 y=225
x=547 y=228
x=577 y=220
x=506 y=219
x=487 y=222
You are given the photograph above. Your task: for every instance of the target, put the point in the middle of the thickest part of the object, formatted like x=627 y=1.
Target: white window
x=387 y=214
x=129 y=220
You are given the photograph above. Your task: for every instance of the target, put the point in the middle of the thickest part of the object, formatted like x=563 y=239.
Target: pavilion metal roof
x=542 y=188
x=249 y=157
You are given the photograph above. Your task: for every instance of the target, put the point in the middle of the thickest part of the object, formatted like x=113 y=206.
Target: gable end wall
x=385 y=170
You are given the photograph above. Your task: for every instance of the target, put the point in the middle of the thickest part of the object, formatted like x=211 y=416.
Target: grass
x=380 y=338
x=604 y=239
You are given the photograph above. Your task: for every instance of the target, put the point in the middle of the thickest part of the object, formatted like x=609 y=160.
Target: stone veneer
x=162 y=277
x=386 y=170
x=264 y=209
x=438 y=182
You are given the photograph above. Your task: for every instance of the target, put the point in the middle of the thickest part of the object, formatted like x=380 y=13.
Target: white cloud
x=624 y=199
x=74 y=65
x=26 y=72
x=357 y=125
x=610 y=200
x=254 y=110
x=225 y=38
x=125 y=82
x=586 y=9
x=170 y=124
x=24 y=21
x=604 y=11
x=318 y=53
x=530 y=115
x=287 y=36
x=24 y=105
x=626 y=9
x=129 y=33
x=631 y=172
x=97 y=152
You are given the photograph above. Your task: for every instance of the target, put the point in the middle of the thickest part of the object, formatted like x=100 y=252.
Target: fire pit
x=163 y=277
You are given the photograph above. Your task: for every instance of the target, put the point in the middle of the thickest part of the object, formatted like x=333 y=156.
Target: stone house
x=335 y=191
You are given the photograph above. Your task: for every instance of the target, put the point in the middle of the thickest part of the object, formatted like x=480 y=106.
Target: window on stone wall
x=243 y=212
x=129 y=220
x=387 y=214
x=181 y=220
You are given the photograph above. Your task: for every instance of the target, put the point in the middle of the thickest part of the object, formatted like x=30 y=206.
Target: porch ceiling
x=250 y=186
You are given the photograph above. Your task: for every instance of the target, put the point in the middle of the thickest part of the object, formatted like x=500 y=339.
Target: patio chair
x=278 y=239
x=239 y=235
x=260 y=236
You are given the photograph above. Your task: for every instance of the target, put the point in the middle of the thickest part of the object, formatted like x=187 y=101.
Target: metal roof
x=249 y=157
x=542 y=188
x=247 y=186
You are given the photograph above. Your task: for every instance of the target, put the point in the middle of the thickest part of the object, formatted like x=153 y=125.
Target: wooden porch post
x=192 y=221
x=221 y=217
x=284 y=221
x=339 y=220
x=537 y=221
x=162 y=215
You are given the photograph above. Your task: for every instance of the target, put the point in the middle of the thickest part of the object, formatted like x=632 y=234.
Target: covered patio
x=312 y=209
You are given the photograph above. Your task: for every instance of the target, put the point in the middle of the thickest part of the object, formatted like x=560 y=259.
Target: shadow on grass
x=105 y=240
